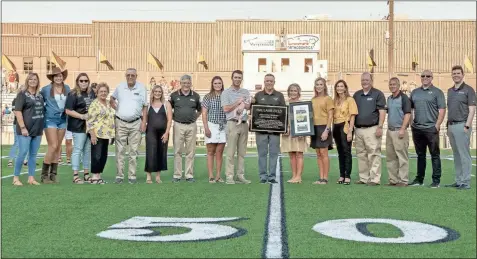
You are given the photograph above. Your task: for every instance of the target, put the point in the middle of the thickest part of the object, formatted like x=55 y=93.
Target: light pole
x=391 y=39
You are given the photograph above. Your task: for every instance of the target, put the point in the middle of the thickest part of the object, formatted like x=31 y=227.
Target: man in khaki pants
x=369 y=130
x=187 y=108
x=236 y=131
x=130 y=102
x=397 y=137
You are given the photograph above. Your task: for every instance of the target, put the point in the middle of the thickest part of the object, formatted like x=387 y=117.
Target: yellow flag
x=200 y=59
x=102 y=58
x=151 y=59
x=468 y=64
x=371 y=62
x=7 y=63
x=57 y=60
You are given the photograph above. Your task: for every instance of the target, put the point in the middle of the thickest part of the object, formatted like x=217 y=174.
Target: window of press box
x=262 y=65
x=27 y=65
x=49 y=65
x=308 y=65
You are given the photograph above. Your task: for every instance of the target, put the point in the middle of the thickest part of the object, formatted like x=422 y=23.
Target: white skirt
x=216 y=135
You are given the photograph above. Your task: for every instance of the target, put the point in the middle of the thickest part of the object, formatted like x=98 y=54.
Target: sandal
x=347 y=183
x=34 y=182
x=17 y=183
x=324 y=181
x=89 y=179
x=77 y=179
x=158 y=181
x=340 y=181
x=219 y=180
x=211 y=180
x=97 y=181
x=10 y=164
x=318 y=182
x=68 y=161
x=147 y=181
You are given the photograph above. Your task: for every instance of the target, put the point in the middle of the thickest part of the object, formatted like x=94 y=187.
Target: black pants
x=344 y=150
x=99 y=155
x=423 y=139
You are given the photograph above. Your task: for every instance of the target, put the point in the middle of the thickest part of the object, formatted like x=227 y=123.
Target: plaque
x=301 y=119
x=268 y=119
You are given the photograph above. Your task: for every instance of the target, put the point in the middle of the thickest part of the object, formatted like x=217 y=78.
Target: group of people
x=94 y=122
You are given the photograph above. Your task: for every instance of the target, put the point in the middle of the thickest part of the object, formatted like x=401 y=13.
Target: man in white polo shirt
x=130 y=102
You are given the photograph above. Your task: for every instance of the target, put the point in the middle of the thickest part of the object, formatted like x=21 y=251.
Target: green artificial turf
x=62 y=220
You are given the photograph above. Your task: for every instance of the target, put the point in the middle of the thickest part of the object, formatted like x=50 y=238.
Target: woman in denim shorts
x=54 y=95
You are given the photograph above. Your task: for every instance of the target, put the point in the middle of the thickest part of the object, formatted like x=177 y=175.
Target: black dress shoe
x=272 y=181
x=263 y=181
x=452 y=185
x=463 y=187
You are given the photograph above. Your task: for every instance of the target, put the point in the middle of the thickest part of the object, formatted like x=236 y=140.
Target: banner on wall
x=283 y=42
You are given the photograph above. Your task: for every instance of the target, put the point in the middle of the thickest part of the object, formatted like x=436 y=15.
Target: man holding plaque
x=232 y=99
x=268 y=142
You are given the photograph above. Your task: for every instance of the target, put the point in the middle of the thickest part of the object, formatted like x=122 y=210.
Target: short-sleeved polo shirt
x=458 y=102
x=398 y=106
x=426 y=103
x=368 y=107
x=230 y=96
x=275 y=98
x=185 y=106
x=130 y=100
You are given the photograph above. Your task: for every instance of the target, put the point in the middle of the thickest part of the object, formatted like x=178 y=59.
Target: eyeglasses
x=129 y=75
x=83 y=81
x=428 y=76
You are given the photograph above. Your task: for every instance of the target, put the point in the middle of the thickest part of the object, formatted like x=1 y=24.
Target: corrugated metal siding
x=176 y=45
x=437 y=44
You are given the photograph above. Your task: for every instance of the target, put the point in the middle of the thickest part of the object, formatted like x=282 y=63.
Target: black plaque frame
x=266 y=130
x=309 y=117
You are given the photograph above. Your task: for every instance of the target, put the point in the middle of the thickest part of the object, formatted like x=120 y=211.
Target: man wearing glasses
x=429 y=106
x=129 y=101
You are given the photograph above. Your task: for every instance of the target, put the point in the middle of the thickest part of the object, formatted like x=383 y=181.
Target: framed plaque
x=301 y=119
x=265 y=118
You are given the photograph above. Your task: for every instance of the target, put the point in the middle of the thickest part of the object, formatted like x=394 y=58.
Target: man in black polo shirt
x=429 y=106
x=268 y=142
x=369 y=130
x=187 y=108
x=461 y=106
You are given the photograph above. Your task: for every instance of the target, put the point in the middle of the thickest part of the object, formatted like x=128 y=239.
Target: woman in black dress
x=159 y=120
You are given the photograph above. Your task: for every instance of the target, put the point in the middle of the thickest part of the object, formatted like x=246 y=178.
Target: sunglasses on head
x=83 y=81
x=428 y=76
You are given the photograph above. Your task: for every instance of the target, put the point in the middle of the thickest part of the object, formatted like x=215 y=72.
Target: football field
x=203 y=220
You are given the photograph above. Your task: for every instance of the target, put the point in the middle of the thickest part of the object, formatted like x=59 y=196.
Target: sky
x=87 y=11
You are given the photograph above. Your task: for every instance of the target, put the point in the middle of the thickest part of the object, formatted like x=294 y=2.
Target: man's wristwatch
x=22 y=127
x=467 y=127
x=380 y=127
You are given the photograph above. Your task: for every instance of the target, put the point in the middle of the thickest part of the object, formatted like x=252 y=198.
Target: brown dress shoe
x=359 y=182
x=372 y=184
x=401 y=184
x=390 y=184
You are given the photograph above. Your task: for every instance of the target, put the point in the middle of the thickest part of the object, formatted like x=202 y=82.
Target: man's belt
x=456 y=122
x=130 y=121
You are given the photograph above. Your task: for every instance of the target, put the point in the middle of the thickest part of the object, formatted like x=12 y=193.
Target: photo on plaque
x=301 y=119
x=267 y=118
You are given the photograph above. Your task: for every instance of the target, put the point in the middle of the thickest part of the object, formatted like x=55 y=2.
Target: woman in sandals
x=29 y=112
x=294 y=146
x=76 y=107
x=344 y=114
x=101 y=128
x=54 y=95
x=158 y=123
x=13 y=151
x=322 y=117
x=213 y=116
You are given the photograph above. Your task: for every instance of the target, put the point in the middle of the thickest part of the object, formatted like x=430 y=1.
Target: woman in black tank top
x=158 y=119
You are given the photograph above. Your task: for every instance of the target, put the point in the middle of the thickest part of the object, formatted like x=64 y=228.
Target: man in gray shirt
x=237 y=135
x=130 y=102
x=268 y=142
x=397 y=137
x=461 y=106
x=429 y=105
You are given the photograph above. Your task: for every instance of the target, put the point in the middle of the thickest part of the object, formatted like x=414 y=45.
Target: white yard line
x=274 y=228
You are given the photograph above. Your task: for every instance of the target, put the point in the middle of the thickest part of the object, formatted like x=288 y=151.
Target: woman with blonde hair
x=345 y=112
x=323 y=107
x=100 y=125
x=294 y=146
x=159 y=121
x=77 y=105
x=54 y=95
x=30 y=122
